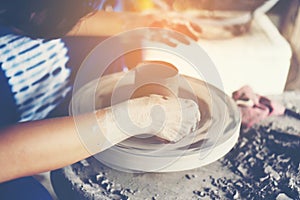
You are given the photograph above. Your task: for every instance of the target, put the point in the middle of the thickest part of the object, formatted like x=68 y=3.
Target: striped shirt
x=36 y=74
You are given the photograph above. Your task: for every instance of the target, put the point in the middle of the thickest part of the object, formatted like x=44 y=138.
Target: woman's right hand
x=169 y=118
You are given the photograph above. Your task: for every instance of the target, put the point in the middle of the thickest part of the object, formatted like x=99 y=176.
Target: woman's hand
x=169 y=118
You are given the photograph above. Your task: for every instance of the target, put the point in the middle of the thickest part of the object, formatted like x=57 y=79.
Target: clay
x=154 y=77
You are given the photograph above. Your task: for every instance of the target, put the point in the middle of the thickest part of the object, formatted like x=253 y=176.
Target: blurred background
x=251 y=42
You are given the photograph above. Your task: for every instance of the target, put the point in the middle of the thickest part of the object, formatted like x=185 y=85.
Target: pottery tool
x=255 y=107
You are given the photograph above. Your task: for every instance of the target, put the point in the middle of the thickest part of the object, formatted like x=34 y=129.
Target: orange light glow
x=142 y=5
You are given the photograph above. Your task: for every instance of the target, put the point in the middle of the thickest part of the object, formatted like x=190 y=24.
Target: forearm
x=40 y=146
x=104 y=23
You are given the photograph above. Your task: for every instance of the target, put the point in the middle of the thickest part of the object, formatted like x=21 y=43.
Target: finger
x=160 y=39
x=246 y=103
x=246 y=93
x=158 y=24
x=196 y=28
x=242 y=92
x=182 y=28
x=173 y=35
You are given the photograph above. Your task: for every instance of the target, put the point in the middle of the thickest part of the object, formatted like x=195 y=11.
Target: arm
x=104 y=23
x=34 y=147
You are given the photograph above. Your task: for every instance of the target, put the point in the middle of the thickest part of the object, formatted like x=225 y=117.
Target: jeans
x=26 y=188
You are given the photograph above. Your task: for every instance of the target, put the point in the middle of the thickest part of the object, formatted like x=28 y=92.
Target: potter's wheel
x=217 y=133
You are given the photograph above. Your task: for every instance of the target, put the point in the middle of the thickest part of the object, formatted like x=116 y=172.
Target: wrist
x=129 y=118
x=109 y=127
